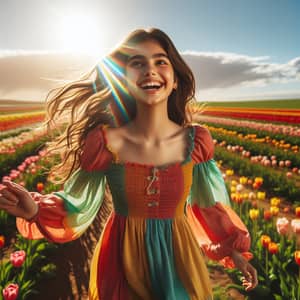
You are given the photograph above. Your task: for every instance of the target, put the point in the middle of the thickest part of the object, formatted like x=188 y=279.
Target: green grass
x=284 y=103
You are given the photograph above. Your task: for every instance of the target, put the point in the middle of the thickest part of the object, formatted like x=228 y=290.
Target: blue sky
x=237 y=49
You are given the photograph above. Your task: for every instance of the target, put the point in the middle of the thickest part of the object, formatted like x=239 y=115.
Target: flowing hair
x=100 y=97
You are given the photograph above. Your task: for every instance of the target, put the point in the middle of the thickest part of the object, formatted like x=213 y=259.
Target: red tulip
x=11 y=292
x=273 y=248
x=17 y=258
x=267 y=215
x=256 y=185
x=254 y=204
x=2 y=241
x=297 y=211
x=297 y=257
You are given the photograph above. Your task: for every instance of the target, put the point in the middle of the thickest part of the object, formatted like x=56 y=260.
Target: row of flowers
x=10 y=161
x=9 y=145
x=271 y=115
x=247 y=148
x=283 y=166
x=275 y=182
x=289 y=134
x=252 y=138
x=12 y=121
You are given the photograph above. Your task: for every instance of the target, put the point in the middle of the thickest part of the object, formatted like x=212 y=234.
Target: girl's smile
x=149 y=73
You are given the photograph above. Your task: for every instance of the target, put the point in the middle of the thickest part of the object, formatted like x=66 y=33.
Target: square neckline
x=116 y=161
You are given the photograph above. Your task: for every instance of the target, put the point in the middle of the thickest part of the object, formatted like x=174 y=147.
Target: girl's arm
x=62 y=216
x=217 y=228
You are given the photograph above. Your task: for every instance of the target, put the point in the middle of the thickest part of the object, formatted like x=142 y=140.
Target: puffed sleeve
x=217 y=228
x=64 y=215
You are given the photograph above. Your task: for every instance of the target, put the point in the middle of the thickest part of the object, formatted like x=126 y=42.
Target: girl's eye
x=161 y=62
x=136 y=64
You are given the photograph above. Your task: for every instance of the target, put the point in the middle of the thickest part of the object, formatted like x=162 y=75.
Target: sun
x=80 y=34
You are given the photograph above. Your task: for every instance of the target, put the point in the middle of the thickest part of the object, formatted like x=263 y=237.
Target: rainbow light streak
x=108 y=75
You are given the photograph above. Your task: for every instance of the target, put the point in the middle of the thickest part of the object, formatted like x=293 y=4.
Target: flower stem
x=267 y=263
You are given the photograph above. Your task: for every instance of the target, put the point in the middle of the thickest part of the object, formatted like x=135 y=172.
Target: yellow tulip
x=233 y=182
x=253 y=213
x=275 y=201
x=229 y=172
x=233 y=189
x=261 y=195
x=245 y=195
x=243 y=180
x=274 y=210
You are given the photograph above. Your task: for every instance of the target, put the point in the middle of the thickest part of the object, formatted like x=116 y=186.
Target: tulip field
x=257 y=148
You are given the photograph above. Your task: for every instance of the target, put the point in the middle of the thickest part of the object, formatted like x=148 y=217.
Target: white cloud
x=29 y=75
x=224 y=70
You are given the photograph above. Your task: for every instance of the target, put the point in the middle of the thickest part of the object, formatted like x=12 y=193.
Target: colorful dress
x=165 y=219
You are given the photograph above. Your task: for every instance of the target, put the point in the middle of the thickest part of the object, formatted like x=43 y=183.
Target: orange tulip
x=297 y=211
x=286 y=209
x=258 y=180
x=273 y=248
x=265 y=241
x=39 y=187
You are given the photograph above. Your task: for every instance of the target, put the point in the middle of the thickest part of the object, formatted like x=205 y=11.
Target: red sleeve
x=203 y=145
x=95 y=155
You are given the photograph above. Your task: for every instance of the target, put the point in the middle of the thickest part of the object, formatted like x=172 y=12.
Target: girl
x=129 y=129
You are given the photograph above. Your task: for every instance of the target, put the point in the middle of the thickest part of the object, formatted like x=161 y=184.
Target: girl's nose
x=149 y=70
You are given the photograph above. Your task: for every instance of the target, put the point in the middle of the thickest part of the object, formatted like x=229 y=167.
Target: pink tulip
x=21 y=168
x=11 y=292
x=295 y=223
x=17 y=258
x=282 y=225
x=28 y=160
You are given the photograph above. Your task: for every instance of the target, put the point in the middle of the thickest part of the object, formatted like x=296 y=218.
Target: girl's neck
x=152 y=123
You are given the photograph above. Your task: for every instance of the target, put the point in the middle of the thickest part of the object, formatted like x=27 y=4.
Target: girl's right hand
x=16 y=200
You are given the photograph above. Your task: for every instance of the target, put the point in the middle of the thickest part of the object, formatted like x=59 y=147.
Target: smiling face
x=149 y=73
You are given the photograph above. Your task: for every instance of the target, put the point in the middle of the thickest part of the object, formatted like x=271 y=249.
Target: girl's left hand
x=249 y=280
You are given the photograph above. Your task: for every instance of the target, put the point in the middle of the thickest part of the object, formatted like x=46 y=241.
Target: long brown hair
x=99 y=98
